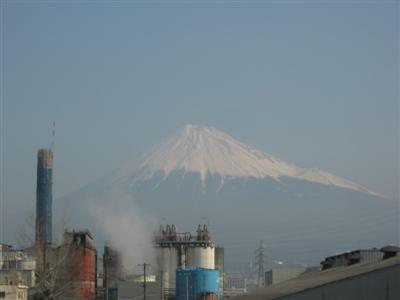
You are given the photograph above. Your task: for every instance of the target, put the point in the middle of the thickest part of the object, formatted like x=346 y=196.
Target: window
x=2 y=294
x=20 y=295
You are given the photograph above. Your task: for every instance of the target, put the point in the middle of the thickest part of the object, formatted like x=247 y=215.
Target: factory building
x=352 y=257
x=111 y=272
x=369 y=280
x=234 y=284
x=16 y=266
x=182 y=250
x=68 y=271
x=44 y=196
x=17 y=273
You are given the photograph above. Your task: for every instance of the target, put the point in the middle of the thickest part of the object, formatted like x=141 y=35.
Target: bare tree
x=26 y=231
x=53 y=273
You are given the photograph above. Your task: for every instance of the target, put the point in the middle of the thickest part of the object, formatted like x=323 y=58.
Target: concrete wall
x=381 y=284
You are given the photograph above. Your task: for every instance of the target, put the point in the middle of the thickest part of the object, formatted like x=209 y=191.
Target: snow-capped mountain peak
x=207 y=150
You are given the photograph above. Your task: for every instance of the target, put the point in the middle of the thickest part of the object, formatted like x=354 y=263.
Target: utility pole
x=162 y=284
x=187 y=287
x=260 y=260
x=144 y=265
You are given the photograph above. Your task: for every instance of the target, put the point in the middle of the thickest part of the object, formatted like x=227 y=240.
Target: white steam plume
x=127 y=228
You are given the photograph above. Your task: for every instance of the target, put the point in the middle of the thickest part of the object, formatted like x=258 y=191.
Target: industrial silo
x=182 y=250
x=168 y=262
x=79 y=270
x=170 y=253
x=200 y=253
x=201 y=256
x=219 y=265
x=197 y=284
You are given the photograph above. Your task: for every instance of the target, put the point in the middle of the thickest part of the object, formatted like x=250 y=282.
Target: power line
x=260 y=261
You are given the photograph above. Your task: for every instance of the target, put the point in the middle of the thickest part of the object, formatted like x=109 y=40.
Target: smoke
x=127 y=228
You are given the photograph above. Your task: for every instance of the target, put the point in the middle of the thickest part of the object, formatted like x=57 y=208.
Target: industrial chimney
x=44 y=196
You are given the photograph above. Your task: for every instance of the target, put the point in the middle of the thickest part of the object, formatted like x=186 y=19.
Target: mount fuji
x=201 y=174
x=207 y=151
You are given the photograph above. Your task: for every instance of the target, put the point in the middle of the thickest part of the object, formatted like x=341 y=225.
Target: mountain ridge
x=209 y=151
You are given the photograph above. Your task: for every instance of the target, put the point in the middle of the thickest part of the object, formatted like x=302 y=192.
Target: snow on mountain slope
x=207 y=150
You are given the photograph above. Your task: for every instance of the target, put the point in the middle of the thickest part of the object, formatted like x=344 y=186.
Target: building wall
x=235 y=281
x=13 y=292
x=16 y=266
x=234 y=284
x=279 y=275
x=111 y=267
x=376 y=285
x=372 y=255
x=352 y=257
x=78 y=262
x=84 y=272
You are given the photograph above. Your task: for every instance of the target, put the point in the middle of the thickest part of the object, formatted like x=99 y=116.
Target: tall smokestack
x=44 y=196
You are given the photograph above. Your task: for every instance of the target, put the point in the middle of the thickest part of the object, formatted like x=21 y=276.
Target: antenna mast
x=53 y=136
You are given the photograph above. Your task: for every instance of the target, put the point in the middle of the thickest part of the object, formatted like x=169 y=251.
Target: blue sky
x=314 y=83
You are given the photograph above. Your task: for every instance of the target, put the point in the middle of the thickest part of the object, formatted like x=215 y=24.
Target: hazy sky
x=314 y=83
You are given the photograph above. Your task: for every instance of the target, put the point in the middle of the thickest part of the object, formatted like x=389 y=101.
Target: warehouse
x=366 y=281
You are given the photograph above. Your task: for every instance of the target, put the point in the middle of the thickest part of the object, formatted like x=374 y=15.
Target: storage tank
x=200 y=253
x=197 y=284
x=200 y=256
x=168 y=259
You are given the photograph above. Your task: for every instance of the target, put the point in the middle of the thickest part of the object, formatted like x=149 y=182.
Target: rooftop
x=316 y=279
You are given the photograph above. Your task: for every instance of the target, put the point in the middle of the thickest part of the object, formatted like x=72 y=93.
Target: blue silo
x=44 y=196
x=197 y=284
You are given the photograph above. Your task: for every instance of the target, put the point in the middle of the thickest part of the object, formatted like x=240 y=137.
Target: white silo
x=200 y=253
x=168 y=262
x=169 y=257
x=200 y=256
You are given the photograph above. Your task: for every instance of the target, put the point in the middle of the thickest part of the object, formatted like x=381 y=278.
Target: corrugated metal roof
x=391 y=248
x=316 y=279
